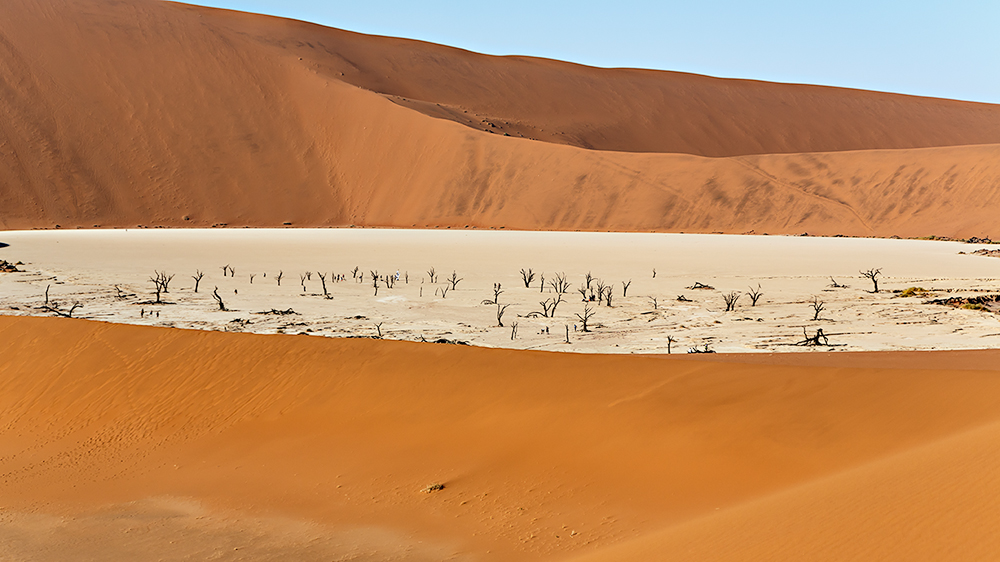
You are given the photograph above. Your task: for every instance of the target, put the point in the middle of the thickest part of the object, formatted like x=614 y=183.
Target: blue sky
x=941 y=49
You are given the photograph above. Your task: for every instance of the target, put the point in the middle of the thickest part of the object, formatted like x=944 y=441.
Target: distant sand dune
x=119 y=114
x=543 y=456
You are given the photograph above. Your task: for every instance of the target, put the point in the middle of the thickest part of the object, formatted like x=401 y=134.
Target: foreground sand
x=108 y=273
x=140 y=443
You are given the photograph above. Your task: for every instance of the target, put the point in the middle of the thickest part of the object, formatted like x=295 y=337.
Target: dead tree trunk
x=872 y=274
x=197 y=278
x=588 y=313
x=527 y=276
x=625 y=285
x=500 y=310
x=218 y=300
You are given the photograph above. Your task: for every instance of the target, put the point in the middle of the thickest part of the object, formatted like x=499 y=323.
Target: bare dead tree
x=496 y=294
x=527 y=276
x=432 y=273
x=567 y=333
x=47 y=287
x=375 y=282
x=583 y=292
x=817 y=306
x=198 y=274
x=872 y=274
x=354 y=272
x=121 y=294
x=378 y=328
x=655 y=303
x=730 y=298
x=444 y=291
x=588 y=313
x=218 y=300
x=541 y=286
x=654 y=273
x=513 y=331
x=600 y=286
x=819 y=339
x=549 y=306
x=625 y=285
x=670 y=340
x=322 y=279
x=252 y=275
x=225 y=269
x=560 y=285
x=160 y=281
x=700 y=285
x=232 y=271
x=835 y=285
x=682 y=298
x=754 y=295
x=607 y=294
x=302 y=281
x=501 y=308
x=309 y=276
x=279 y=276
x=454 y=280
x=588 y=279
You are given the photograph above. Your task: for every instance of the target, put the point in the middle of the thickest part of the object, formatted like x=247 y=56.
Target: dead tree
x=432 y=273
x=160 y=281
x=252 y=275
x=549 y=306
x=121 y=294
x=454 y=280
x=541 y=286
x=835 y=285
x=280 y=275
x=819 y=339
x=322 y=279
x=500 y=310
x=873 y=275
x=560 y=285
x=699 y=285
x=655 y=303
x=567 y=333
x=600 y=290
x=354 y=272
x=527 y=276
x=302 y=281
x=513 y=331
x=607 y=294
x=225 y=269
x=682 y=298
x=378 y=328
x=218 y=300
x=588 y=313
x=817 y=306
x=654 y=273
x=375 y=283
x=47 y=287
x=730 y=299
x=754 y=295
x=496 y=294
x=444 y=291
x=309 y=276
x=670 y=340
x=625 y=285
x=588 y=278
x=198 y=274
x=583 y=292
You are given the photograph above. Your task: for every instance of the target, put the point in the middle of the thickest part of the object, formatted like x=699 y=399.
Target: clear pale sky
x=920 y=47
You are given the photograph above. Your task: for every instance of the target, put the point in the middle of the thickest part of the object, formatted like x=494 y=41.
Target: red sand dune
x=142 y=112
x=119 y=439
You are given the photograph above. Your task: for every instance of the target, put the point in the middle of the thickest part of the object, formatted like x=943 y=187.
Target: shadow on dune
x=4 y=244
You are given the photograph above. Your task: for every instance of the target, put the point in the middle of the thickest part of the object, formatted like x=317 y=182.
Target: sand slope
x=144 y=112
x=301 y=441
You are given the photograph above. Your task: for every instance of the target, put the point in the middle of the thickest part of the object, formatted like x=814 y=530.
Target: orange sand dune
x=126 y=113
x=121 y=439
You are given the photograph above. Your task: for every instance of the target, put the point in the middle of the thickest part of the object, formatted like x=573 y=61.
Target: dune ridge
x=542 y=456
x=161 y=114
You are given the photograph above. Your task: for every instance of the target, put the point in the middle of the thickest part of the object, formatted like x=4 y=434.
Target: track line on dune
x=757 y=170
